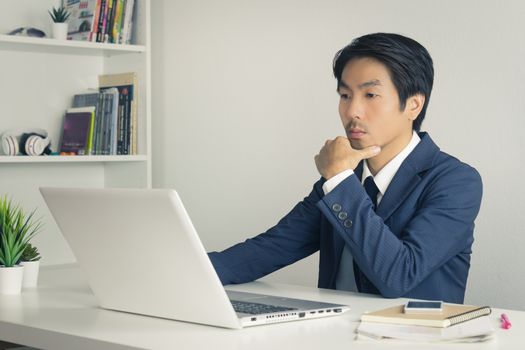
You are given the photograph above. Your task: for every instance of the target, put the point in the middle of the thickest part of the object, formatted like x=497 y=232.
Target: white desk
x=62 y=313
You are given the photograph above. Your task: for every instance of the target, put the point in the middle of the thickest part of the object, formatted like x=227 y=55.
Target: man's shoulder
x=447 y=160
x=445 y=171
x=444 y=162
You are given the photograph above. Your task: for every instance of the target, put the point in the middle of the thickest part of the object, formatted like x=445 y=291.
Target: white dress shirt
x=345 y=276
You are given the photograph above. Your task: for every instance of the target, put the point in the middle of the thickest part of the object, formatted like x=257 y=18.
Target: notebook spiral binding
x=470 y=315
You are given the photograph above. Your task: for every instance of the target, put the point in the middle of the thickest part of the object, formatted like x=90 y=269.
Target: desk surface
x=62 y=313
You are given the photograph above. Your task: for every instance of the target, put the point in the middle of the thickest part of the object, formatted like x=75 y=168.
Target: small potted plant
x=16 y=230
x=30 y=260
x=59 y=17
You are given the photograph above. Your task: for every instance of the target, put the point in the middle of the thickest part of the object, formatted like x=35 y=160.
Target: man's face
x=369 y=107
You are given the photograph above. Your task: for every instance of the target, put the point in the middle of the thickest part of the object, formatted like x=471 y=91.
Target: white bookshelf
x=39 y=77
x=66 y=47
x=73 y=159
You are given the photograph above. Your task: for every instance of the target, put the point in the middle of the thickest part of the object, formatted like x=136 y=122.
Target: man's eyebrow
x=366 y=84
x=370 y=83
x=342 y=84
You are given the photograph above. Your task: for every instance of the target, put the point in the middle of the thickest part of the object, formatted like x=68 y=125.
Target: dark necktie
x=360 y=279
x=371 y=189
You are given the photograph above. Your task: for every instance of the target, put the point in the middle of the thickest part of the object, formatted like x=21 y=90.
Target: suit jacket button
x=348 y=223
x=342 y=215
x=336 y=207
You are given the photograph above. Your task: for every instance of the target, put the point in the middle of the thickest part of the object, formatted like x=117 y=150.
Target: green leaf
x=59 y=15
x=16 y=230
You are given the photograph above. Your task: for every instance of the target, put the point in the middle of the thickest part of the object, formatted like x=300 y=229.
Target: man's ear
x=415 y=104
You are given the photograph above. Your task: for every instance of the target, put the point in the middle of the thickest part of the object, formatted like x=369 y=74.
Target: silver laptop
x=142 y=255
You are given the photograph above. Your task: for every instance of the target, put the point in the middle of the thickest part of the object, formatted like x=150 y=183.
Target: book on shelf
x=111 y=113
x=125 y=34
x=452 y=314
x=105 y=121
x=112 y=21
x=92 y=99
x=127 y=118
x=82 y=18
x=116 y=25
x=107 y=21
x=77 y=131
x=103 y=13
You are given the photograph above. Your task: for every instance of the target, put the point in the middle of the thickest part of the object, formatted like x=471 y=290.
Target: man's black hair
x=408 y=62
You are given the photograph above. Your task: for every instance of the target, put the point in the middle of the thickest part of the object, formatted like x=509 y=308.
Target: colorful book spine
x=101 y=19
x=126 y=83
x=117 y=23
x=109 y=19
x=94 y=29
x=89 y=147
x=112 y=120
x=100 y=125
x=126 y=22
x=127 y=91
x=108 y=107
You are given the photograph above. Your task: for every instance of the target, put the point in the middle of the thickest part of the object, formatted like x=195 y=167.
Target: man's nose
x=353 y=109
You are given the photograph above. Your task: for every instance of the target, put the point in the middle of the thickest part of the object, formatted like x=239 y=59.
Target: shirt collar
x=385 y=175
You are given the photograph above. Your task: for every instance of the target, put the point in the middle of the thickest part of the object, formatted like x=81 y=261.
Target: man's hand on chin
x=338 y=155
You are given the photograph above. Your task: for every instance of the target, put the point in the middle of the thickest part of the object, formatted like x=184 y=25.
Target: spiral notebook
x=477 y=330
x=452 y=314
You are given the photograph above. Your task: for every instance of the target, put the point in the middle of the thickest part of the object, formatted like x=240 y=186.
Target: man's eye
x=370 y=95
x=344 y=96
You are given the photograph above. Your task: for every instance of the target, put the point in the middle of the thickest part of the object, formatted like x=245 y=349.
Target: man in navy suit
x=392 y=214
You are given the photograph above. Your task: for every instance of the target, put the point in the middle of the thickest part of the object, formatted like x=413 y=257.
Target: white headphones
x=31 y=142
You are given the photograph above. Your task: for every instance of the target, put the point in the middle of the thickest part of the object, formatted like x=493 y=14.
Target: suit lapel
x=403 y=183
x=401 y=186
x=407 y=176
x=359 y=170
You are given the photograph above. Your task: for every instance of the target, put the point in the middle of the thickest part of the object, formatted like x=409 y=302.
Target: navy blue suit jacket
x=416 y=244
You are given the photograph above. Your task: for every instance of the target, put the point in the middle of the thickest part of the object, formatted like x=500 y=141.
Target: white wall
x=243 y=97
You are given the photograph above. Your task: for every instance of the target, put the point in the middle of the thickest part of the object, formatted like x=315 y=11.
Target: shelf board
x=22 y=43
x=71 y=159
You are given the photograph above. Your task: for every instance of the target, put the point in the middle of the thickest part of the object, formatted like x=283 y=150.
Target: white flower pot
x=59 y=31
x=31 y=269
x=11 y=279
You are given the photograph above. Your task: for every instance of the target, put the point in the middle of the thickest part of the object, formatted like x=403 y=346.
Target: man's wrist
x=335 y=180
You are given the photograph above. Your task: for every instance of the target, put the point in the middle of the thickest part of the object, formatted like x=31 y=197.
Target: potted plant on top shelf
x=59 y=17
x=16 y=230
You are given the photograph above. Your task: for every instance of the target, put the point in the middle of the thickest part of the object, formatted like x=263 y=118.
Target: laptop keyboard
x=256 y=308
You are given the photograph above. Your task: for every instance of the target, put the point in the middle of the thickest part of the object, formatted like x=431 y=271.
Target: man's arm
x=295 y=237
x=440 y=228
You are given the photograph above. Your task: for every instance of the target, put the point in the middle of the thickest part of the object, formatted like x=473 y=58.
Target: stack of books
x=105 y=21
x=456 y=323
x=103 y=122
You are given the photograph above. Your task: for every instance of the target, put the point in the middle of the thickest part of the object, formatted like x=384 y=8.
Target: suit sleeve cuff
x=332 y=183
x=225 y=275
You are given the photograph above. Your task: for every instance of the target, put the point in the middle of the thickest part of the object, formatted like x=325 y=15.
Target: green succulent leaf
x=59 y=15
x=16 y=230
x=30 y=253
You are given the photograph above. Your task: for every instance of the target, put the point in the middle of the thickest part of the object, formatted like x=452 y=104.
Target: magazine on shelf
x=82 y=18
x=77 y=131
